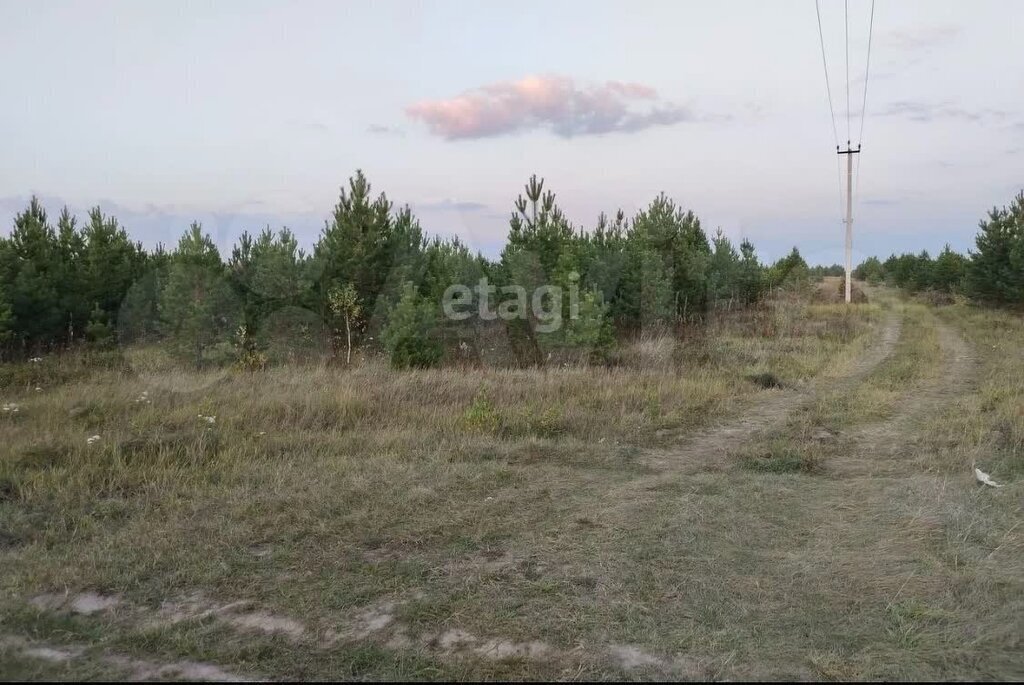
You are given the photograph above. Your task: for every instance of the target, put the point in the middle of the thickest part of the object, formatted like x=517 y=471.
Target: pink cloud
x=552 y=102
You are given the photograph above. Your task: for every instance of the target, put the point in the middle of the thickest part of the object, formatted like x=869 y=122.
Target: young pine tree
x=110 y=264
x=199 y=311
x=870 y=270
x=751 y=274
x=996 y=272
x=138 y=320
x=74 y=299
x=32 y=273
x=678 y=237
x=365 y=245
x=6 y=318
x=948 y=271
x=588 y=330
x=723 y=271
x=410 y=335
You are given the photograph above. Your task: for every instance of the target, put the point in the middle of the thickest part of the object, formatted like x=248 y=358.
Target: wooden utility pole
x=849 y=152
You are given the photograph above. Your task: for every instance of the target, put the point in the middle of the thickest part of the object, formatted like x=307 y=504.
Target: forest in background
x=375 y=282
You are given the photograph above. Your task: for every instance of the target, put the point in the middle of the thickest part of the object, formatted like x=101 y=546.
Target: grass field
x=669 y=517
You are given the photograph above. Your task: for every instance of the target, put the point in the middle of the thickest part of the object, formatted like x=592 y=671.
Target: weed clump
x=782 y=458
x=480 y=417
x=767 y=380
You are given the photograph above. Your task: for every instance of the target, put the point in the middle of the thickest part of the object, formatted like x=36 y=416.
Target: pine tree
x=996 y=272
x=138 y=320
x=724 y=270
x=32 y=271
x=198 y=308
x=447 y=263
x=6 y=317
x=656 y=299
x=539 y=227
x=790 y=271
x=948 y=271
x=589 y=331
x=363 y=244
x=74 y=300
x=540 y=252
x=607 y=265
x=110 y=264
x=678 y=237
x=268 y=274
x=870 y=270
x=98 y=331
x=411 y=332
x=751 y=274
x=921 y=272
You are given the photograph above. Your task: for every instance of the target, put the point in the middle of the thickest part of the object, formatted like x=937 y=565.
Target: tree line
x=993 y=273
x=373 y=279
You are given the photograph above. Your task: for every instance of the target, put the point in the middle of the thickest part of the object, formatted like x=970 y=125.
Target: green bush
x=410 y=335
x=480 y=417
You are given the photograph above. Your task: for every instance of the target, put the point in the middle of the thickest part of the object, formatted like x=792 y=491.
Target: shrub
x=410 y=336
x=481 y=416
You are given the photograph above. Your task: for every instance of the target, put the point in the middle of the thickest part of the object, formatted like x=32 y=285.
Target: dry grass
x=479 y=523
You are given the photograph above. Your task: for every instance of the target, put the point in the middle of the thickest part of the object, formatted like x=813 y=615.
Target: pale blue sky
x=242 y=113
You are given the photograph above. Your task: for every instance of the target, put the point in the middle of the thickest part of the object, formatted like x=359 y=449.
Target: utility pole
x=849 y=152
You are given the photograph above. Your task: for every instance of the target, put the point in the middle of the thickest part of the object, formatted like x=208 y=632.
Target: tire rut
x=708 y=446
x=706 y=449
x=874 y=449
x=862 y=536
x=133 y=668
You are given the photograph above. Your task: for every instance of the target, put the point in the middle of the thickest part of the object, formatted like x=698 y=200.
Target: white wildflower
x=208 y=419
x=36 y=360
x=38 y=389
x=10 y=407
x=91 y=439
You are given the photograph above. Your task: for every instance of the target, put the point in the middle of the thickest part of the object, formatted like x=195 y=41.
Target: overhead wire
x=824 y=62
x=831 y=107
x=867 y=72
x=828 y=89
x=864 y=103
x=846 y=21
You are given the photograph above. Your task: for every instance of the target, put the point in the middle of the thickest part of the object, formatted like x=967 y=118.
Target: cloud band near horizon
x=554 y=103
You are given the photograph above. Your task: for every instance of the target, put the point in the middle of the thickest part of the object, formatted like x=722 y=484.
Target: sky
x=246 y=114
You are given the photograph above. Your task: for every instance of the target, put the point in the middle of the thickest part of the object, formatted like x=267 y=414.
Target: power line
x=824 y=62
x=852 y=176
x=867 y=71
x=846 y=20
x=864 y=104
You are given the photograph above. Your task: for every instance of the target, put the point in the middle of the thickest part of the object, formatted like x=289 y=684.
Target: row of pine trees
x=373 y=278
x=374 y=281
x=991 y=274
